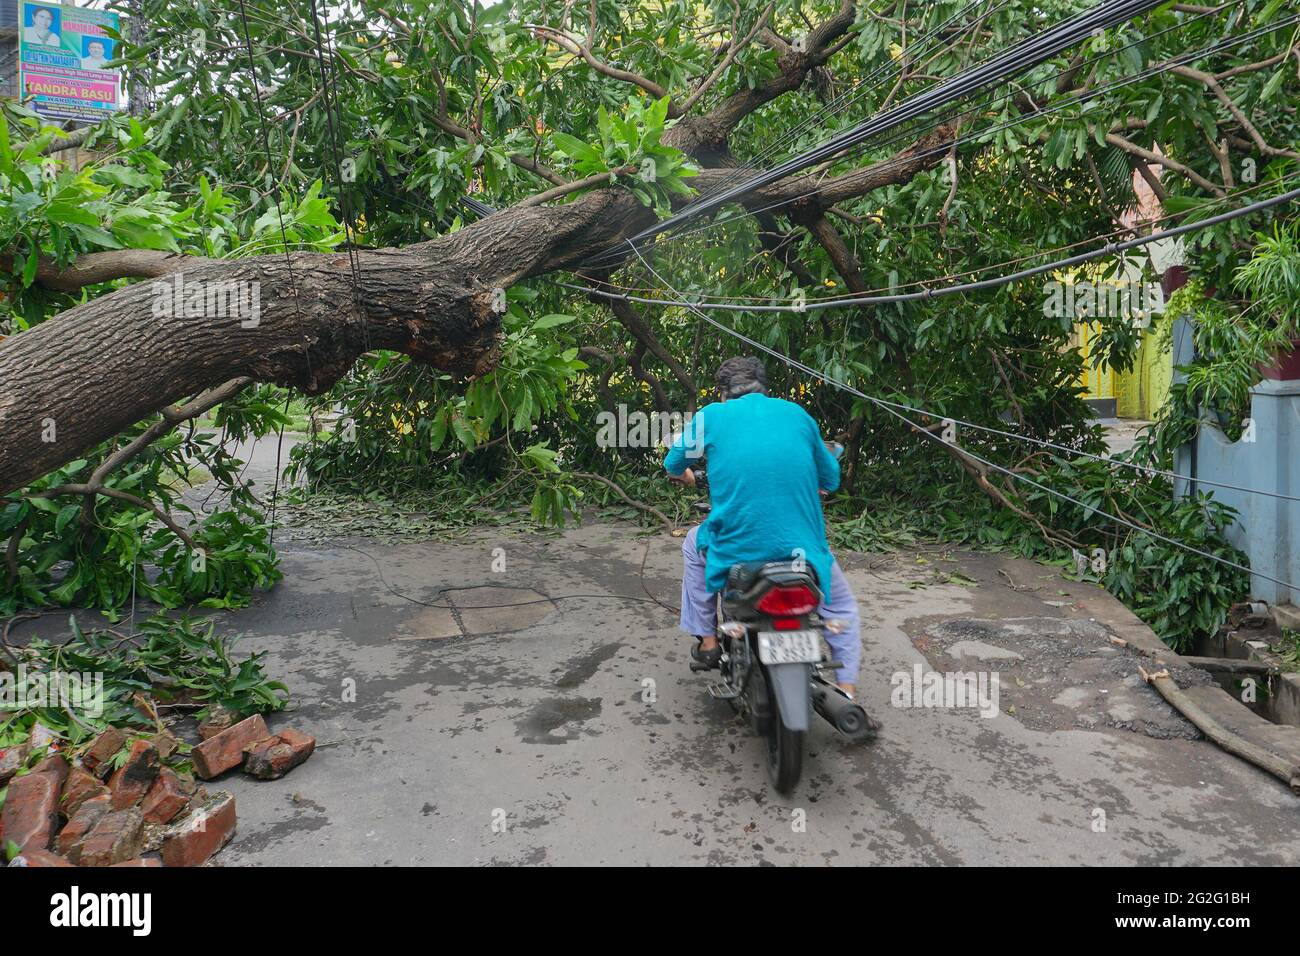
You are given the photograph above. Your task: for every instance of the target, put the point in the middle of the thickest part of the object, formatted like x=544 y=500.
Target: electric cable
x=1125 y=230
x=876 y=78
x=1111 y=248
x=1088 y=509
x=284 y=238
x=615 y=253
x=1009 y=63
x=349 y=228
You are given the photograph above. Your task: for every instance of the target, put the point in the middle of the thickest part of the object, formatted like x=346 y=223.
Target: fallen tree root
x=1234 y=743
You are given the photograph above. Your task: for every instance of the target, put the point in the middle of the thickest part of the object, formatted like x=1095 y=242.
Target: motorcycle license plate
x=789 y=647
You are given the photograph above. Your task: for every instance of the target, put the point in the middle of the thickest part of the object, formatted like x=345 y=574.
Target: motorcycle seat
x=742 y=577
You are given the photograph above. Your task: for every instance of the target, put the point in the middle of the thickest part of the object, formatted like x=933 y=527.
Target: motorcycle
x=775 y=660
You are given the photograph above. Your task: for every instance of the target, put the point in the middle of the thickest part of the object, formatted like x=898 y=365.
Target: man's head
x=95 y=48
x=740 y=376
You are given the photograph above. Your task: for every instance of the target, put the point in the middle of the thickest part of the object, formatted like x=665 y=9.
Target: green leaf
x=6 y=152
x=29 y=270
x=66 y=514
x=63 y=212
x=121 y=176
x=542 y=458
x=1273 y=85
x=95 y=236
x=575 y=148
x=137 y=236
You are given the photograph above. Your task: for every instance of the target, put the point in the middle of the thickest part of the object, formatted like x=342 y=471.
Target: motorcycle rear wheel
x=784 y=749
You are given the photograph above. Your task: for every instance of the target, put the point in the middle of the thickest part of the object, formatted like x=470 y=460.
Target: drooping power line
x=916 y=428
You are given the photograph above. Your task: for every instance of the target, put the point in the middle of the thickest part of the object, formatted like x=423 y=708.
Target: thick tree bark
x=86 y=374
x=705 y=136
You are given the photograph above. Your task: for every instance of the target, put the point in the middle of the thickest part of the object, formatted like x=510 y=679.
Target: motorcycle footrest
x=698 y=666
x=720 y=691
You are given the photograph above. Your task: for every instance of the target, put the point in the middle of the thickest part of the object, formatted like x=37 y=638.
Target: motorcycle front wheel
x=784 y=748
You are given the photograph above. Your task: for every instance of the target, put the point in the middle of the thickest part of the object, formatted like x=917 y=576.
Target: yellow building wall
x=1099 y=381
x=1141 y=390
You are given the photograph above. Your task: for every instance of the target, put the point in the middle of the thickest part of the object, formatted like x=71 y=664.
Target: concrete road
x=475 y=734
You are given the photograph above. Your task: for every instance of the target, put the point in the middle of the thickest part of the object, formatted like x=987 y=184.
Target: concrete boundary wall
x=1267 y=458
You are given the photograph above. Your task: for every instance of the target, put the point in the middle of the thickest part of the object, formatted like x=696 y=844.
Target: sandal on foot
x=709 y=658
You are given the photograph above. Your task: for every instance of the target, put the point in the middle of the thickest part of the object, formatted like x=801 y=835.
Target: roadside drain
x=1243 y=664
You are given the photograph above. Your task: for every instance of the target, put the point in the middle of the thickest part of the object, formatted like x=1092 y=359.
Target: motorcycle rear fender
x=790 y=690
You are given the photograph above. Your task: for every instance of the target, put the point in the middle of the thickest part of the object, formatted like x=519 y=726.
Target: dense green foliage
x=440 y=99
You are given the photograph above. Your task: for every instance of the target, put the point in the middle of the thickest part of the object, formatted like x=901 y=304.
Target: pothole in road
x=1054 y=673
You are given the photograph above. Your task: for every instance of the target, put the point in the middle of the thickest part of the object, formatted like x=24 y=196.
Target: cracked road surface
x=482 y=734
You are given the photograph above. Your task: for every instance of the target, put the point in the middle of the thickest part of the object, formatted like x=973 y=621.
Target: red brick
x=141 y=861
x=38 y=858
x=272 y=758
x=193 y=840
x=300 y=742
x=96 y=758
x=79 y=787
x=225 y=751
x=55 y=764
x=167 y=797
x=166 y=743
x=42 y=737
x=31 y=811
x=133 y=780
x=11 y=761
x=217 y=721
x=116 y=837
x=82 y=822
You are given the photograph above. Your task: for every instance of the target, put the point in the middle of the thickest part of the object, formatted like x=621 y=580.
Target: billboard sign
x=61 y=60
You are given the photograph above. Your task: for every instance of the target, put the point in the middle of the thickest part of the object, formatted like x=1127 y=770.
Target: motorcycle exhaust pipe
x=838 y=710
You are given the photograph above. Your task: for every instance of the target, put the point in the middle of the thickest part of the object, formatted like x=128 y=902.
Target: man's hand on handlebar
x=687 y=477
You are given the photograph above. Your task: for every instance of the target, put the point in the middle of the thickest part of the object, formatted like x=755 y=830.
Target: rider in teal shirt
x=767 y=461
x=766 y=464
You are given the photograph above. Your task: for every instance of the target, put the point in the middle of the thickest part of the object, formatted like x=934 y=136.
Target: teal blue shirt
x=766 y=462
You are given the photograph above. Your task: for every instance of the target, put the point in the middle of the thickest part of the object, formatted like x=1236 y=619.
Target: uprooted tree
x=554 y=114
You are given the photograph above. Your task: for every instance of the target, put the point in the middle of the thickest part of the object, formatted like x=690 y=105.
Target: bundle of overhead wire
x=1028 y=53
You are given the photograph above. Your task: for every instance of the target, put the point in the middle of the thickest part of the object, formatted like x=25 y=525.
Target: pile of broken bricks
x=144 y=813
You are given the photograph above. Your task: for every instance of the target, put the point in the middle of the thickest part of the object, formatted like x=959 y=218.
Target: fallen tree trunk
x=86 y=374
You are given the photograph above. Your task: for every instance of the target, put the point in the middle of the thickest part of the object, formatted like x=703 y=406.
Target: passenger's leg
x=699 y=613
x=841 y=605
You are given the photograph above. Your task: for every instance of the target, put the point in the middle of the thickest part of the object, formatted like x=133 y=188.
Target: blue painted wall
x=1267 y=528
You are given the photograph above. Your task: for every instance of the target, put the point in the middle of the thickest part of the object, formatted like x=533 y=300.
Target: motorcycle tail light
x=786 y=624
x=788 y=601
